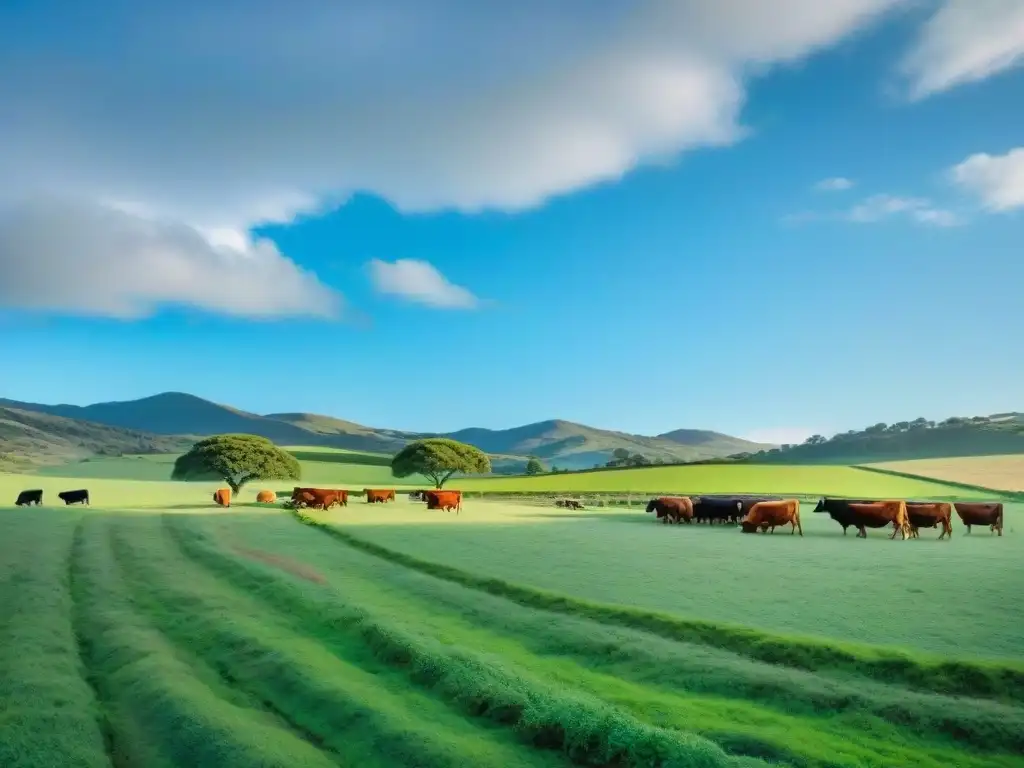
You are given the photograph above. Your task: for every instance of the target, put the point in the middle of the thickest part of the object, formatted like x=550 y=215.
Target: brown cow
x=988 y=513
x=924 y=515
x=223 y=497
x=672 y=509
x=378 y=495
x=266 y=497
x=319 y=498
x=768 y=514
x=879 y=514
x=445 y=500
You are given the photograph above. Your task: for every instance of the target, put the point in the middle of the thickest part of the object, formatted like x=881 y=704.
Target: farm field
x=243 y=638
x=322 y=466
x=722 y=478
x=1000 y=472
x=156 y=630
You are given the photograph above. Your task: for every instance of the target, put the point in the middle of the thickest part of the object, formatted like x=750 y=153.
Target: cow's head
x=821 y=506
x=748 y=527
x=651 y=504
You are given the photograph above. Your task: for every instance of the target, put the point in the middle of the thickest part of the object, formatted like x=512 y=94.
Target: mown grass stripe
x=164 y=713
x=346 y=708
x=547 y=716
x=49 y=716
x=957 y=677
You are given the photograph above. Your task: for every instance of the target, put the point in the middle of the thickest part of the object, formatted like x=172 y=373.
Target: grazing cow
x=926 y=515
x=81 y=496
x=319 y=498
x=671 y=509
x=378 y=495
x=222 y=496
x=266 y=497
x=573 y=504
x=445 y=500
x=839 y=510
x=879 y=514
x=988 y=513
x=766 y=515
x=35 y=496
x=716 y=508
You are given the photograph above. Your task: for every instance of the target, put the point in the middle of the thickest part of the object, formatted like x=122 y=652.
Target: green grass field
x=156 y=630
x=721 y=478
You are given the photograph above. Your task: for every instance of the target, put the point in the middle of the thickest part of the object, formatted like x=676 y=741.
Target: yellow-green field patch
x=999 y=472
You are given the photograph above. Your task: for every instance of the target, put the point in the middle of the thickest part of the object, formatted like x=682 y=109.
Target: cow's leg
x=968 y=527
x=861 y=532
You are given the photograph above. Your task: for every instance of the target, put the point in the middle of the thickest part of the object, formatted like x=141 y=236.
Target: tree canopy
x=237 y=459
x=438 y=458
x=534 y=466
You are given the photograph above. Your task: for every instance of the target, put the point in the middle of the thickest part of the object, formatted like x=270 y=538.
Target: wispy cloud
x=420 y=282
x=997 y=180
x=880 y=207
x=833 y=184
x=965 y=41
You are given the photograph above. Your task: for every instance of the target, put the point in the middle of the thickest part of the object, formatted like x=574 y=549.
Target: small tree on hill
x=237 y=459
x=534 y=466
x=439 y=458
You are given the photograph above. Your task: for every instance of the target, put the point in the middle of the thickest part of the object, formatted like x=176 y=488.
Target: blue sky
x=638 y=216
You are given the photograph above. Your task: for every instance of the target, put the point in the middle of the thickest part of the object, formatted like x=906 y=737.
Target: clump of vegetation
x=438 y=458
x=534 y=466
x=237 y=459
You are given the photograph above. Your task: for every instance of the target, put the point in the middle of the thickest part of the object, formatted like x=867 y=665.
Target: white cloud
x=998 y=180
x=965 y=41
x=419 y=281
x=80 y=258
x=781 y=435
x=221 y=115
x=834 y=184
x=879 y=207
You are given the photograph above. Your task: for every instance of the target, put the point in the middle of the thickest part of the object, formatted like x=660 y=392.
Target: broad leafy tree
x=438 y=458
x=237 y=459
x=534 y=466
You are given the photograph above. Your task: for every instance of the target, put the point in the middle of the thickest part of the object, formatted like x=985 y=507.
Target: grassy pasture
x=244 y=638
x=722 y=478
x=320 y=466
x=825 y=585
x=157 y=630
x=1000 y=472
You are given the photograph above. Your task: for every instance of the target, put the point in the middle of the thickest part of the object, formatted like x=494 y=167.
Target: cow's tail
x=999 y=520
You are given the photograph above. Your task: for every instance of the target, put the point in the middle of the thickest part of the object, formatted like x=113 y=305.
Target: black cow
x=839 y=510
x=25 y=498
x=418 y=496
x=80 y=496
x=716 y=508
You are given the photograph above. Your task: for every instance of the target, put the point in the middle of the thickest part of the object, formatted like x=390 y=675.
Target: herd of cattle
x=751 y=513
x=35 y=496
x=765 y=513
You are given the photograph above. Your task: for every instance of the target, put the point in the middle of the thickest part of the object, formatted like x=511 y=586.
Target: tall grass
x=967 y=678
x=48 y=713
x=165 y=708
x=586 y=729
x=828 y=722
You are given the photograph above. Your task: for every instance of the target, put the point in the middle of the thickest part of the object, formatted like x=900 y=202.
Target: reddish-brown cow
x=319 y=498
x=379 y=495
x=879 y=514
x=672 y=509
x=988 y=513
x=446 y=500
x=922 y=515
x=223 y=497
x=769 y=514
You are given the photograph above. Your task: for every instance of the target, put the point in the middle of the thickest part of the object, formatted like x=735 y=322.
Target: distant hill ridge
x=558 y=442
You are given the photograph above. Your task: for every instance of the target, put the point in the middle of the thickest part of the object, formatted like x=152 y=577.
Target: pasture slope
x=810 y=480
x=153 y=630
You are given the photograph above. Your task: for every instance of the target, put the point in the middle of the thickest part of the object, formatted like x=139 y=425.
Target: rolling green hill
x=994 y=435
x=29 y=439
x=561 y=443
